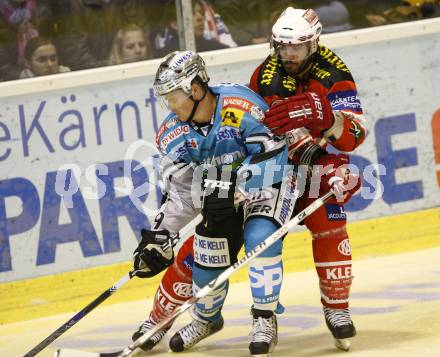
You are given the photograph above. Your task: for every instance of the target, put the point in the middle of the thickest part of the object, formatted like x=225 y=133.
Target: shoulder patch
x=345 y=100
x=243 y=104
x=232 y=117
x=235 y=102
x=164 y=127
x=172 y=135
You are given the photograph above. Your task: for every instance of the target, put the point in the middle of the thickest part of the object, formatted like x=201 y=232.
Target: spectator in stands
x=407 y=10
x=86 y=31
x=334 y=17
x=41 y=58
x=20 y=20
x=209 y=31
x=214 y=26
x=250 y=23
x=129 y=45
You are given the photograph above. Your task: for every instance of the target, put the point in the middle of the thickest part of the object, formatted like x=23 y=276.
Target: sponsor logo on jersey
x=247 y=106
x=211 y=252
x=170 y=123
x=166 y=125
x=191 y=144
x=356 y=130
x=174 y=134
x=239 y=103
x=344 y=247
x=223 y=185
x=226 y=133
x=257 y=113
x=232 y=117
x=183 y=289
x=179 y=151
x=268 y=72
x=188 y=262
x=225 y=159
x=335 y=212
x=160 y=132
x=348 y=100
x=333 y=59
x=319 y=72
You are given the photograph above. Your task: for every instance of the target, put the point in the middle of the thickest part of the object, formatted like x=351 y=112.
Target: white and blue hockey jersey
x=236 y=137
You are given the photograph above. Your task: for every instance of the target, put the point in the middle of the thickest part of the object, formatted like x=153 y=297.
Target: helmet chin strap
x=196 y=104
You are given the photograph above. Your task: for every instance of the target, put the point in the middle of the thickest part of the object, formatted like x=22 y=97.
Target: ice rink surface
x=395 y=304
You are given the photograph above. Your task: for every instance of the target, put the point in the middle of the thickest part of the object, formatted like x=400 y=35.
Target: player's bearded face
x=179 y=102
x=293 y=56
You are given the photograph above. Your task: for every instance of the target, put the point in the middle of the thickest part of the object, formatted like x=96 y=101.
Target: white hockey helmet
x=177 y=71
x=296 y=27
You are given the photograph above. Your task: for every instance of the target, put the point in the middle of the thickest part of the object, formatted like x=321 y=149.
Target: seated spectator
x=334 y=17
x=208 y=32
x=85 y=31
x=214 y=26
x=251 y=22
x=408 y=10
x=129 y=45
x=20 y=20
x=41 y=58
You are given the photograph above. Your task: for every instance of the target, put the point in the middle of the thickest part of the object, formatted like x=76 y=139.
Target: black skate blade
x=110 y=354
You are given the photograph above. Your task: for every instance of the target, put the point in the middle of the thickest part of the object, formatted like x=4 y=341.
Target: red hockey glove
x=335 y=176
x=303 y=110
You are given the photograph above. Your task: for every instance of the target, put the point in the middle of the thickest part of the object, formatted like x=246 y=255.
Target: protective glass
x=293 y=52
x=173 y=100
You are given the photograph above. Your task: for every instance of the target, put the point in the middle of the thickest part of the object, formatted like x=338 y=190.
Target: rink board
x=71 y=291
x=395 y=304
x=71 y=198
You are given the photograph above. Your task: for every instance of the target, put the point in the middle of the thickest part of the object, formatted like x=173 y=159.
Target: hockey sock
x=209 y=307
x=176 y=284
x=265 y=271
x=332 y=254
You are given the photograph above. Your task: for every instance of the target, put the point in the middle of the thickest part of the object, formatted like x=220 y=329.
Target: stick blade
x=65 y=352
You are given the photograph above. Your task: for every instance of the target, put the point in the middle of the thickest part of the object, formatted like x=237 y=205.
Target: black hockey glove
x=218 y=200
x=153 y=254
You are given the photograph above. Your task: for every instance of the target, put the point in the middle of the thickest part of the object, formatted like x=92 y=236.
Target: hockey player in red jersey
x=314 y=102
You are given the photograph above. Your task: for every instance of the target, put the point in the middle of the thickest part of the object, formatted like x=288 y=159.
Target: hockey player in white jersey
x=218 y=128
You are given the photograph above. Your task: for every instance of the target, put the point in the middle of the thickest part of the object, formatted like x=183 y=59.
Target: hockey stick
x=78 y=316
x=105 y=295
x=131 y=349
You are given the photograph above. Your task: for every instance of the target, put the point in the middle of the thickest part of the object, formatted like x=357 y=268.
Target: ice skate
x=341 y=326
x=264 y=334
x=146 y=326
x=194 y=332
